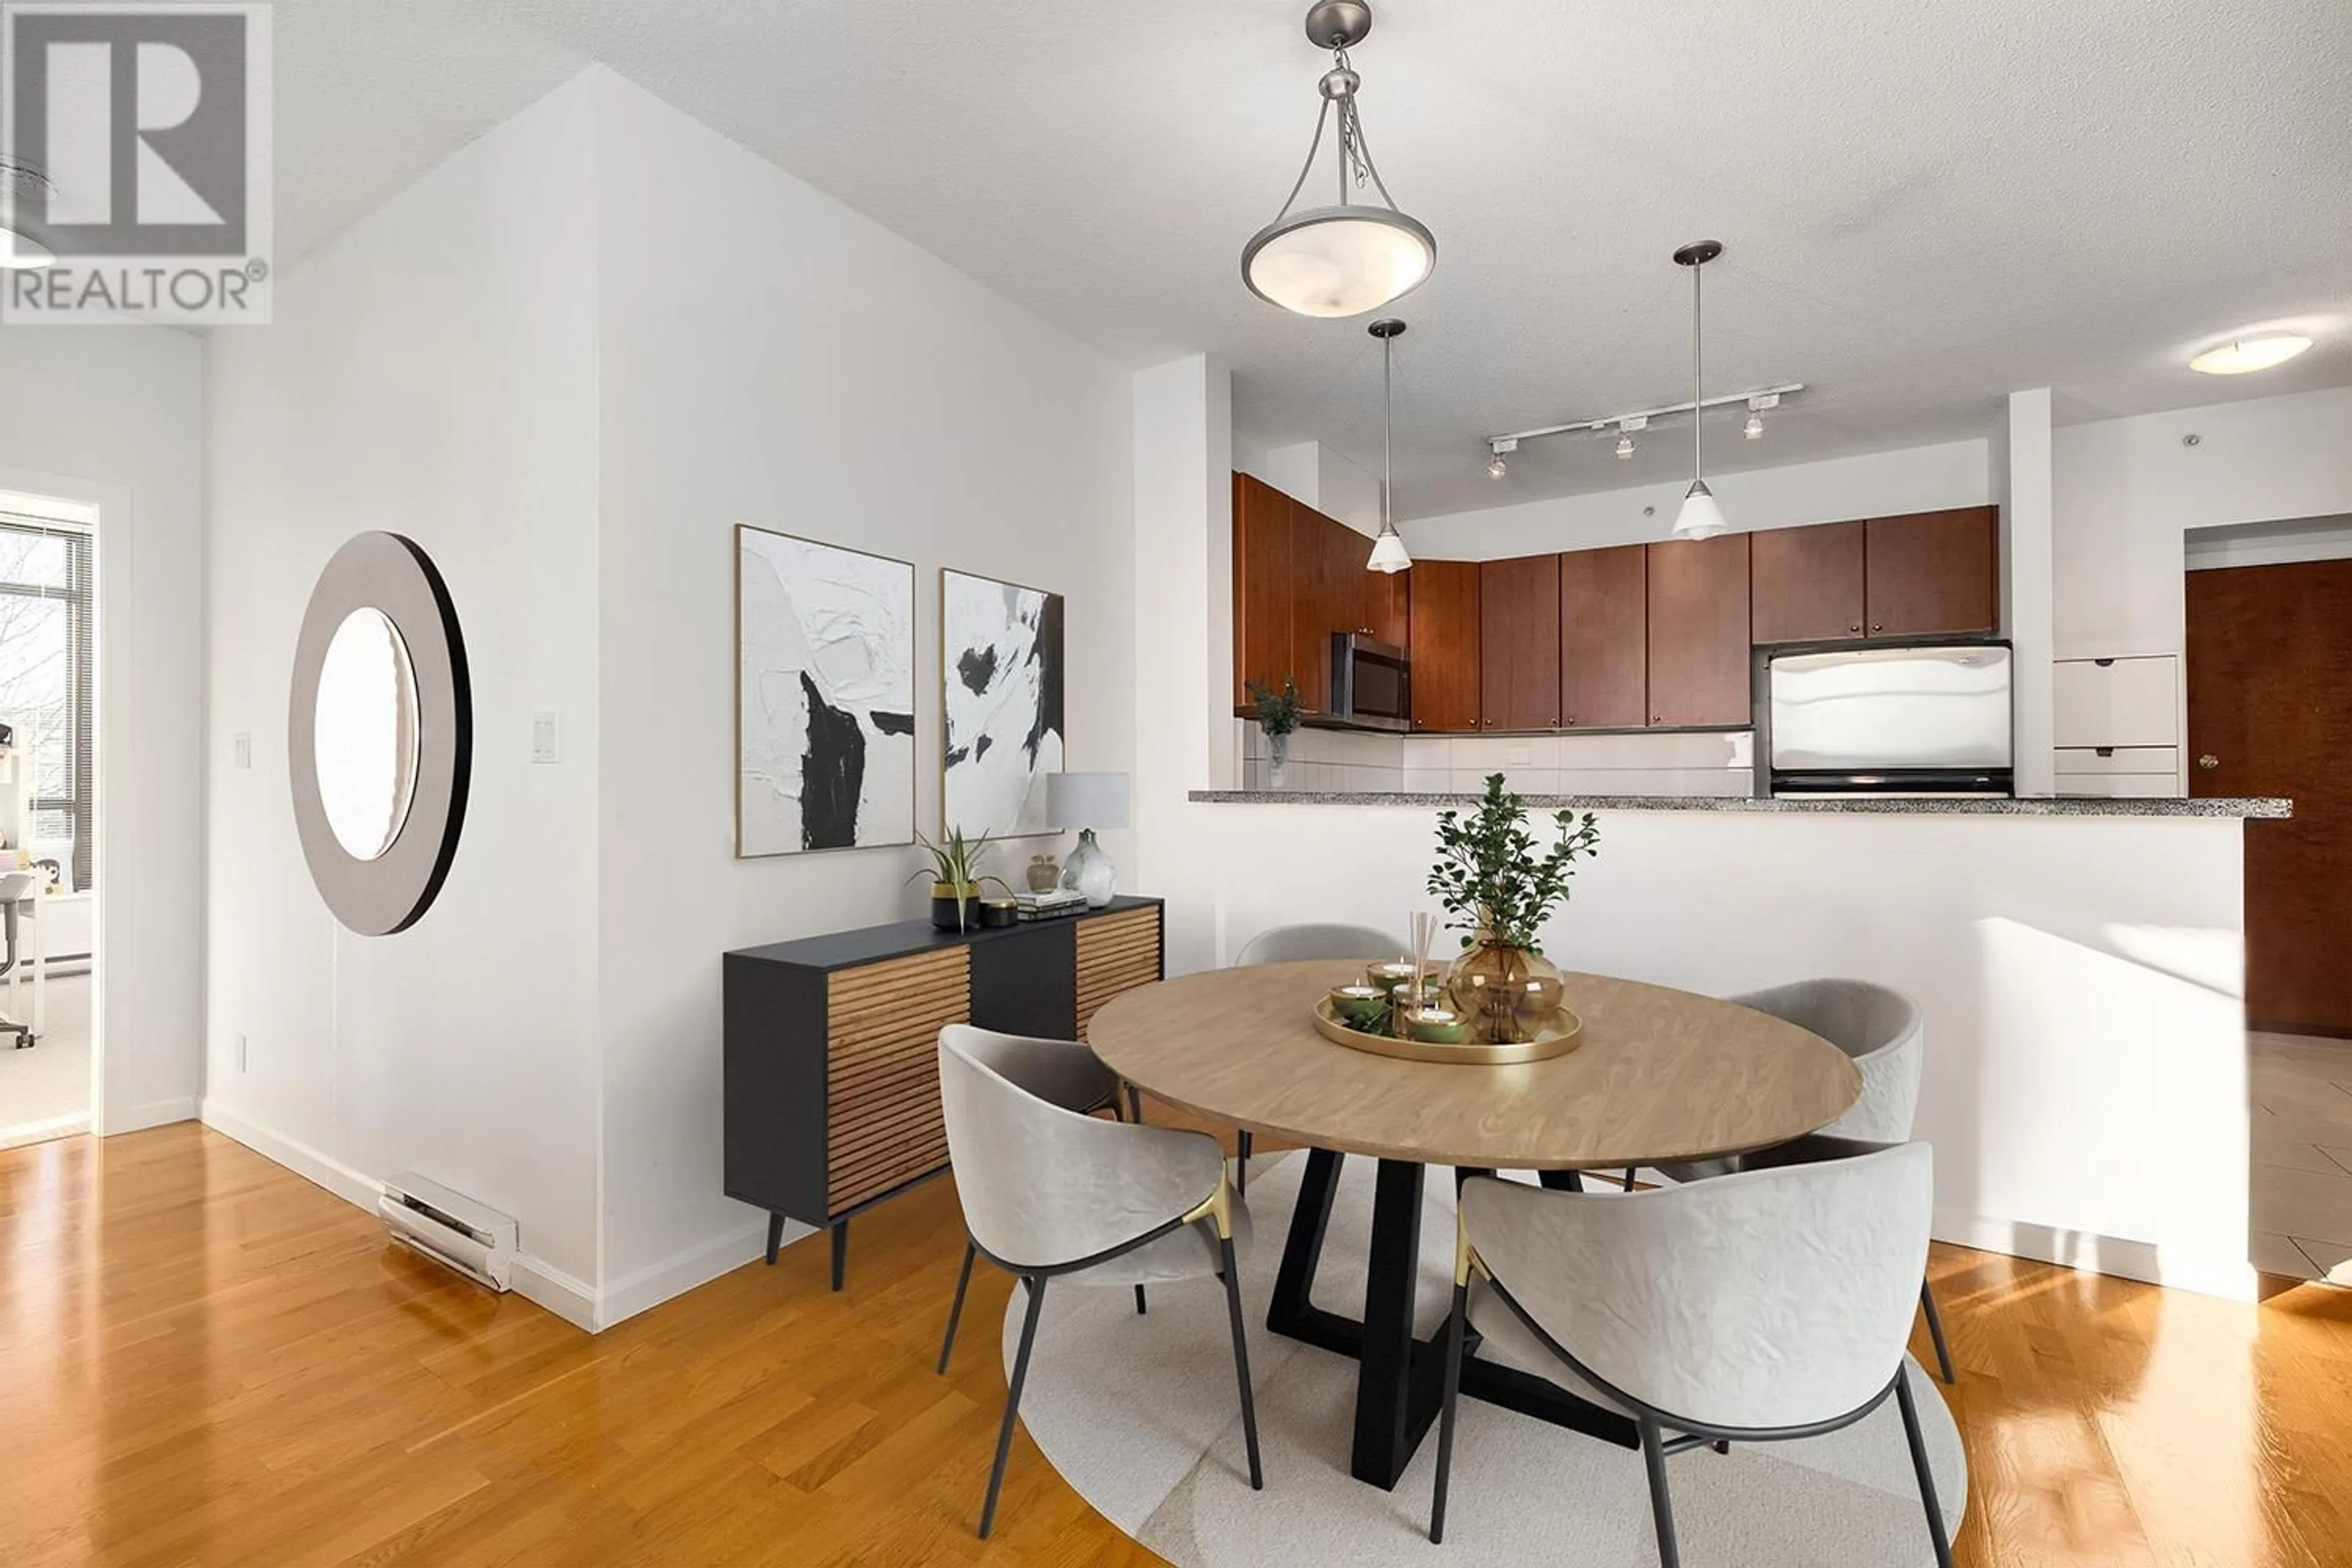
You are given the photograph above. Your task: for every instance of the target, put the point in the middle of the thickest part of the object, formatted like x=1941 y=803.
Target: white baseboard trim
x=153 y=1113
x=28 y=1133
x=354 y=1186
x=2094 y=1253
x=682 y=1271
x=549 y=1286
x=534 y=1279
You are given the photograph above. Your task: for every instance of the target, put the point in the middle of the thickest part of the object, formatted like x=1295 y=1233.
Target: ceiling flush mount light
x=1700 y=516
x=1353 y=256
x=20 y=182
x=2241 y=355
x=1389 y=553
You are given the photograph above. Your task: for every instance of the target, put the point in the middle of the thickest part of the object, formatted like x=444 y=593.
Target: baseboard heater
x=450 y=1229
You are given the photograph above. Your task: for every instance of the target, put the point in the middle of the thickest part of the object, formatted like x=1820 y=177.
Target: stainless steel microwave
x=1371 y=683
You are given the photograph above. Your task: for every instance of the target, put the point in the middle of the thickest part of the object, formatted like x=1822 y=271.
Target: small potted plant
x=956 y=879
x=1277 y=715
x=1500 y=890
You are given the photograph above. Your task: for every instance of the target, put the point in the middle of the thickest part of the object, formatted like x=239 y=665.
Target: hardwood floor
x=204 y=1360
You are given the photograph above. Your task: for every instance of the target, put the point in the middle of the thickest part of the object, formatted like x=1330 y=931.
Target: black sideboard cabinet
x=831 y=1063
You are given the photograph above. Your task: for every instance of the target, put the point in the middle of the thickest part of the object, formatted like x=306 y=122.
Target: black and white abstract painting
x=825 y=735
x=1001 y=657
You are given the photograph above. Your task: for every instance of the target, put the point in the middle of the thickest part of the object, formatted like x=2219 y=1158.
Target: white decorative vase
x=1089 y=870
x=1277 y=754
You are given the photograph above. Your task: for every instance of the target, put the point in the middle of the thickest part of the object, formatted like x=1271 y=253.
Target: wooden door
x=1443 y=619
x=1698 y=631
x=1263 y=586
x=1605 y=628
x=1807 y=582
x=2270 y=703
x=1934 y=573
x=1518 y=643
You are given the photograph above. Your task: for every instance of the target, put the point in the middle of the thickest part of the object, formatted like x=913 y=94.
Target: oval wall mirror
x=380 y=733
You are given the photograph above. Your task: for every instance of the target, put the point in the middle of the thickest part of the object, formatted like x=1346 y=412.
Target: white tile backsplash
x=1341 y=760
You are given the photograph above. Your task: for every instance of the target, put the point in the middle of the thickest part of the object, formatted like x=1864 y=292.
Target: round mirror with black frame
x=380 y=733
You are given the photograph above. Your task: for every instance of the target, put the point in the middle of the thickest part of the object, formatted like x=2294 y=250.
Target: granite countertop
x=1939 y=805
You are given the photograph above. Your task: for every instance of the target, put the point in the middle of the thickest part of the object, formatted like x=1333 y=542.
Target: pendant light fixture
x=1353 y=256
x=1700 y=516
x=1389 y=553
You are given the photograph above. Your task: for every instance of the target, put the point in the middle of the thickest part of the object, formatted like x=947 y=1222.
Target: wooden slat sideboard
x=831 y=1066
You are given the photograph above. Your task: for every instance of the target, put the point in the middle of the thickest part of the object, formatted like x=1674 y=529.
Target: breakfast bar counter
x=1849 y=805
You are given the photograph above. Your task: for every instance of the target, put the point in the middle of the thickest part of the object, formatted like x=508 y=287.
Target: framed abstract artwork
x=1001 y=670
x=825 y=696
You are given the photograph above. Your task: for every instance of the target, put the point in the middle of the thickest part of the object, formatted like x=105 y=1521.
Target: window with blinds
x=47 y=583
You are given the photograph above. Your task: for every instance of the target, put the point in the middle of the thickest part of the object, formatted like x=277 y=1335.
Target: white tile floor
x=2301 y=1087
x=45 y=1091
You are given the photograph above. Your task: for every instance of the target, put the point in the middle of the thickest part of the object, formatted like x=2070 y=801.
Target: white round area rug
x=1141 y=1416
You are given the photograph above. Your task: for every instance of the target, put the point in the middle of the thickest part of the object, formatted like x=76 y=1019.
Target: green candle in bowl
x=1359 y=1006
x=1391 y=972
x=1435 y=1025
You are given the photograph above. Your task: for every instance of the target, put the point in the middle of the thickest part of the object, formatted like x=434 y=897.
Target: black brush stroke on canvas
x=1046 y=652
x=892 y=724
x=833 y=771
x=976 y=667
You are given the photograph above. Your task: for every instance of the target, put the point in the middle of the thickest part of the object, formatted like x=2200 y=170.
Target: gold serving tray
x=1561 y=1035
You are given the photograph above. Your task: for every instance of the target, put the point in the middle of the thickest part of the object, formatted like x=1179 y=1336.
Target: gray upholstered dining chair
x=1296 y=944
x=1050 y=1192
x=1758 y=1306
x=1880 y=1028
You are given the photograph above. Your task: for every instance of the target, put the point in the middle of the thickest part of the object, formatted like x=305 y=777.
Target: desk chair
x=14 y=887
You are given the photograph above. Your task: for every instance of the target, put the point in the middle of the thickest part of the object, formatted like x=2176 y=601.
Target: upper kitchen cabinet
x=1444 y=622
x=1518 y=643
x=1263 y=587
x=1809 y=583
x=1699 y=636
x=1387 y=602
x=1933 y=573
x=1605 y=656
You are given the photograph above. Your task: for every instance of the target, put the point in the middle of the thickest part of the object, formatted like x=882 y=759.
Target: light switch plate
x=241 y=748
x=546 y=736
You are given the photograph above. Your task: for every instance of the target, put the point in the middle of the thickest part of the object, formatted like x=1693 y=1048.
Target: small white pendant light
x=1389 y=553
x=1700 y=516
x=1345 y=259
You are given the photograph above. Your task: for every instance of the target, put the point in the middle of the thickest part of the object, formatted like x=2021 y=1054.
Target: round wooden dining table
x=1659 y=1076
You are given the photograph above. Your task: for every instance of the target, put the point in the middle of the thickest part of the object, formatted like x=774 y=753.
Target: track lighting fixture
x=1754 y=428
x=1494 y=469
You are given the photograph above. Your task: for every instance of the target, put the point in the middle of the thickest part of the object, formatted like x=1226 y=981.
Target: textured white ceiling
x=1924 y=206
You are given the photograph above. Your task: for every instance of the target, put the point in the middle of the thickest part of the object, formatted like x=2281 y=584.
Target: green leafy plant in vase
x=956 y=879
x=1500 y=887
x=1277 y=716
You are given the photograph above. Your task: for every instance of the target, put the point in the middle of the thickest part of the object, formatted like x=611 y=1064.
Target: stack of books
x=1059 y=903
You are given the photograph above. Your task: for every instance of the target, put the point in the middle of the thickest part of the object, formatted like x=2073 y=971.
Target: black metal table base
x=1402 y=1378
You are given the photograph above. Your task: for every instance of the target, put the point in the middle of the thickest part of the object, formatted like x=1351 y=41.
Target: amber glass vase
x=1508 y=992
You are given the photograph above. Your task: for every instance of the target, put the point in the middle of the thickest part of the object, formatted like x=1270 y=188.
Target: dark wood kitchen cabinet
x=1444 y=630
x=1698 y=636
x=1933 y=573
x=1387 y=601
x=1808 y=583
x=1605 y=628
x=1518 y=643
x=1263 y=587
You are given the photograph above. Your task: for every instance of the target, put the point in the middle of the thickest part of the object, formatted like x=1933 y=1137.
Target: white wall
x=769 y=356
x=1311 y=472
x=113 y=415
x=431 y=372
x=1878 y=484
x=2128 y=489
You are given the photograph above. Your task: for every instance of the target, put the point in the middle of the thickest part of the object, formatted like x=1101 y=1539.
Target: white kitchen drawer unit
x=2129 y=787
x=2164 y=759
x=2116 y=702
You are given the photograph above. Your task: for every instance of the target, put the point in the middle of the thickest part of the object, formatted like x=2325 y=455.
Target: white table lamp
x=1087 y=801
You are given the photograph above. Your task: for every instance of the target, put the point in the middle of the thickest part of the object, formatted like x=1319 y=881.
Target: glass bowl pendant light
x=1700 y=516
x=1351 y=257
